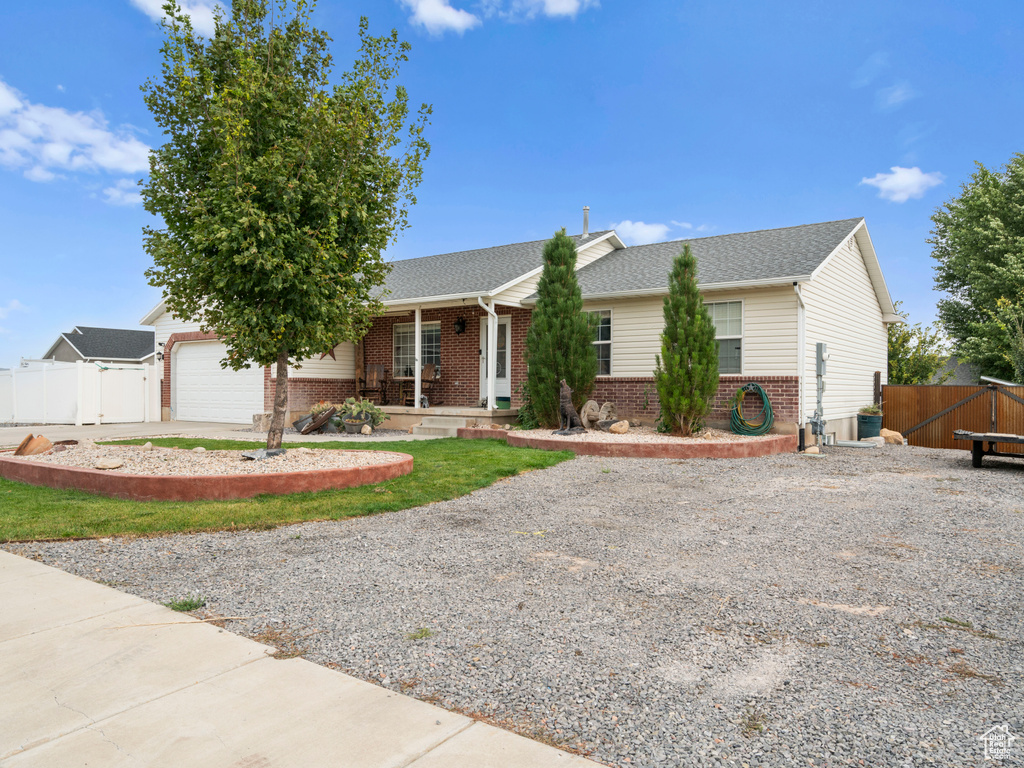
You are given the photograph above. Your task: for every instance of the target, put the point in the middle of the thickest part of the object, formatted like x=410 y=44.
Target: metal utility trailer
x=992 y=438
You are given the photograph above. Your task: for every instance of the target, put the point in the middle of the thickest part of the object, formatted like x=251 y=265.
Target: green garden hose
x=743 y=426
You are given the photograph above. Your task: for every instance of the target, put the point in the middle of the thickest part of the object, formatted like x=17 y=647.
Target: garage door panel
x=203 y=391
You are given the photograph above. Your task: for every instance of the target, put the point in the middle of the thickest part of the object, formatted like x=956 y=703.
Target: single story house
x=773 y=294
x=103 y=345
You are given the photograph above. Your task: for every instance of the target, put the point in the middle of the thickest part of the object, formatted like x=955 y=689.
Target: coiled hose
x=743 y=426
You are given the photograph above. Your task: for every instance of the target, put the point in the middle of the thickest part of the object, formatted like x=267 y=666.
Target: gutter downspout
x=801 y=357
x=492 y=343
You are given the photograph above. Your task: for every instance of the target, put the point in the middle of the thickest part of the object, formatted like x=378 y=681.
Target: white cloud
x=894 y=95
x=200 y=11
x=639 y=233
x=531 y=8
x=125 y=192
x=682 y=224
x=12 y=306
x=437 y=16
x=44 y=139
x=903 y=183
x=875 y=64
x=60 y=87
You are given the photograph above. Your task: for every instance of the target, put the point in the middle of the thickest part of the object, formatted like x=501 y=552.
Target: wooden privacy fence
x=927 y=415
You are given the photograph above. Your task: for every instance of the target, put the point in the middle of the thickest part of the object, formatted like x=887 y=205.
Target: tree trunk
x=280 y=402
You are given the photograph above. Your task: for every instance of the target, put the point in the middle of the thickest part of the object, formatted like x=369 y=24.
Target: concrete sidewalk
x=91 y=676
x=10 y=437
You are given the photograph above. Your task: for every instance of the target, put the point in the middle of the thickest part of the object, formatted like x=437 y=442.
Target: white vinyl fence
x=45 y=392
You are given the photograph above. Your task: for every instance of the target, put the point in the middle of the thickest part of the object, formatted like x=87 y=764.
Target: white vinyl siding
x=843 y=312
x=167 y=324
x=769 y=331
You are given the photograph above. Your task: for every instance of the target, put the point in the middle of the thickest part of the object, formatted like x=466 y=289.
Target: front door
x=502 y=382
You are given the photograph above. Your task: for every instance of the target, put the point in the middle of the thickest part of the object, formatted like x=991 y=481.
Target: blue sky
x=669 y=119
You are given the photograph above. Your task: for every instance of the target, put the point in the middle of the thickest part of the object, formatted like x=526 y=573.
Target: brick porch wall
x=303 y=394
x=460 y=354
x=637 y=397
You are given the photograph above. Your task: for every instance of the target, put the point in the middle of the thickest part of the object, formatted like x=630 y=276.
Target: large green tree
x=686 y=371
x=278 y=191
x=916 y=353
x=978 y=241
x=560 y=342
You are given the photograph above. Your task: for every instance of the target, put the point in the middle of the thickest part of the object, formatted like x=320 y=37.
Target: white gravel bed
x=859 y=609
x=180 y=461
x=643 y=435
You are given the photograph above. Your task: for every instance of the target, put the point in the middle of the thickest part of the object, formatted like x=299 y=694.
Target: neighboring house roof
x=962 y=373
x=108 y=343
x=478 y=272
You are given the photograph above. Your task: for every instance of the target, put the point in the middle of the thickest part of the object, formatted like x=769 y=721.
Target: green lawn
x=442 y=469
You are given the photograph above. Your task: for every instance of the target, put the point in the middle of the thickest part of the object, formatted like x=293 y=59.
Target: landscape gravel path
x=862 y=608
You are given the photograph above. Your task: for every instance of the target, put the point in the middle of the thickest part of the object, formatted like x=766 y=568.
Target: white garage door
x=203 y=391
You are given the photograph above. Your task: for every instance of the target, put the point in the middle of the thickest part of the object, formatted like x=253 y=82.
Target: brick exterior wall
x=638 y=398
x=303 y=394
x=460 y=354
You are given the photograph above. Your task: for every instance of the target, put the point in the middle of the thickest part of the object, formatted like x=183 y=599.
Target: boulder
x=108 y=464
x=261 y=422
x=875 y=440
x=812 y=450
x=608 y=412
x=892 y=437
x=366 y=430
x=590 y=413
x=199 y=449
x=147 y=447
x=619 y=428
x=507 y=426
x=495 y=426
x=605 y=424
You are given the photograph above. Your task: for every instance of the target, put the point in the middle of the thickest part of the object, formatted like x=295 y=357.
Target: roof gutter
x=734 y=285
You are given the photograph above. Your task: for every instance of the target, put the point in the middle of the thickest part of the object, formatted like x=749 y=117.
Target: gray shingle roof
x=763 y=255
x=112 y=343
x=476 y=272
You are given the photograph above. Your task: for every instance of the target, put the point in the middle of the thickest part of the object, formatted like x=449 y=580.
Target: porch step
x=447 y=421
x=441 y=426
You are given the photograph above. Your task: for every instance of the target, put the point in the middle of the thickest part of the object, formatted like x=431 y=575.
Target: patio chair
x=429 y=382
x=375 y=383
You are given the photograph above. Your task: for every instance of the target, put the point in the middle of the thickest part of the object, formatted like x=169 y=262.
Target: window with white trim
x=405 y=347
x=603 y=340
x=728 y=319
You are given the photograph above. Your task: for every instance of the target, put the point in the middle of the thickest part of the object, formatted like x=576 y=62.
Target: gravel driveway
x=864 y=608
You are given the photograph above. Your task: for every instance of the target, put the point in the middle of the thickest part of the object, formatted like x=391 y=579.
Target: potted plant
x=355 y=414
x=869 y=421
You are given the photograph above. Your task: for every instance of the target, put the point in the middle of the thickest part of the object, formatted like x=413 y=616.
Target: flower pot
x=354 y=425
x=868 y=425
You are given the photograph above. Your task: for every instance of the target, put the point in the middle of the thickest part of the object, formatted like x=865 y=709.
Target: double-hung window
x=405 y=347
x=728 y=319
x=603 y=340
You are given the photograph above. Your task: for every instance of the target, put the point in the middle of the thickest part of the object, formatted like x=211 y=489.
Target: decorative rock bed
x=644 y=443
x=170 y=474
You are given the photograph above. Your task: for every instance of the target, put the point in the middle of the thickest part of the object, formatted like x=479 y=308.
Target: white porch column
x=417 y=368
x=492 y=355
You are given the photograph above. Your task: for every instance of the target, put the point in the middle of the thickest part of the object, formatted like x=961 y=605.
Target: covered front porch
x=469 y=355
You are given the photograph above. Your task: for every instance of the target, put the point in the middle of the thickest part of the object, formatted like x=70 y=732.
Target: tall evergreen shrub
x=559 y=344
x=686 y=372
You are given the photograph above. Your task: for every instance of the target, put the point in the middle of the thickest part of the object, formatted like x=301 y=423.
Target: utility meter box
x=821 y=359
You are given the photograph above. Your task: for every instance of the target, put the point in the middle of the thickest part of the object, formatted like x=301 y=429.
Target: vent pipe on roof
x=586 y=221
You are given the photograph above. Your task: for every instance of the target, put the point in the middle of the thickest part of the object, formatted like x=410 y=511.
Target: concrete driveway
x=92 y=676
